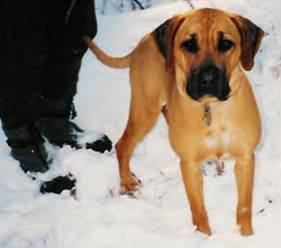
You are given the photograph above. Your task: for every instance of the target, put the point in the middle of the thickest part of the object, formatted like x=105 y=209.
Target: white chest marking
x=210 y=142
x=225 y=138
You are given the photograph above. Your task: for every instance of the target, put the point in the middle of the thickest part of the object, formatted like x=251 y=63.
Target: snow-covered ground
x=159 y=216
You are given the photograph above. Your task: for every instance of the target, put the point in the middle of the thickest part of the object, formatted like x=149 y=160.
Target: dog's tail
x=118 y=63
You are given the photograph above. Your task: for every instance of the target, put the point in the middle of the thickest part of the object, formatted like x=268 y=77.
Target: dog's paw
x=202 y=224
x=204 y=228
x=246 y=230
x=130 y=185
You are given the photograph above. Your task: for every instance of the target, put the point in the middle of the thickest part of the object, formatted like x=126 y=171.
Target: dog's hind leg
x=149 y=80
x=142 y=118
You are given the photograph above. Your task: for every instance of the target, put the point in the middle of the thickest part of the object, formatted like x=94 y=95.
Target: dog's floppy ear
x=251 y=36
x=174 y=26
x=164 y=36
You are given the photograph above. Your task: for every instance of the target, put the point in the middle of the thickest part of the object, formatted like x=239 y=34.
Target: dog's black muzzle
x=208 y=80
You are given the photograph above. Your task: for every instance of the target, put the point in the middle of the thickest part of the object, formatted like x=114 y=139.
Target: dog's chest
x=219 y=138
x=217 y=133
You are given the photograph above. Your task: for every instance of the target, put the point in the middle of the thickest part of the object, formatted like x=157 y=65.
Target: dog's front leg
x=244 y=172
x=193 y=182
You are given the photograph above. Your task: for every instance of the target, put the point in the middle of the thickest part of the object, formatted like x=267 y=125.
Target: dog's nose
x=208 y=80
x=207 y=76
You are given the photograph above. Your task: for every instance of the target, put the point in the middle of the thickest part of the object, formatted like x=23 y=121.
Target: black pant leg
x=23 y=48
x=59 y=75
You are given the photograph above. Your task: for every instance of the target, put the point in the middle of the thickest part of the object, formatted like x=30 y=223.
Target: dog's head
x=205 y=46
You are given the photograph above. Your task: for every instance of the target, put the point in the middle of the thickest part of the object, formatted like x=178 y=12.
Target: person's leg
x=57 y=107
x=59 y=77
x=22 y=53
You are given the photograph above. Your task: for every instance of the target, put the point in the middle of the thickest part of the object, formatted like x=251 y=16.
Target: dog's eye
x=225 y=45
x=190 y=45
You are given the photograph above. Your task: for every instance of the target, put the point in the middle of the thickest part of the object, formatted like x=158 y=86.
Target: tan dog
x=190 y=68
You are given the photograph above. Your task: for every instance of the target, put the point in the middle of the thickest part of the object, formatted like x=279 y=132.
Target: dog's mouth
x=208 y=81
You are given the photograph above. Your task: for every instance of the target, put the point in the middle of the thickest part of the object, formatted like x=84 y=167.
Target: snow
x=116 y=6
x=159 y=215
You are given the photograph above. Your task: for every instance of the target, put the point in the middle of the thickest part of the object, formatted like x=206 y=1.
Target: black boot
x=27 y=147
x=62 y=131
x=59 y=184
x=56 y=125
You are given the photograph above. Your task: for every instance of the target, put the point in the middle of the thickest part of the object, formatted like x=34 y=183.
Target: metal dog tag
x=207 y=118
